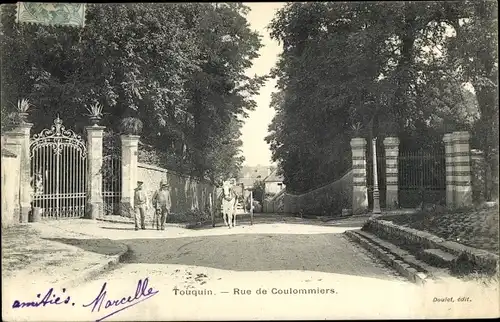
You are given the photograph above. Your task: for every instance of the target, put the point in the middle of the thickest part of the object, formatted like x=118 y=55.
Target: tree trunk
x=486 y=98
x=403 y=70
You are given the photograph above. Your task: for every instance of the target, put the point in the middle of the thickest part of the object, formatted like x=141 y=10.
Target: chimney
x=269 y=170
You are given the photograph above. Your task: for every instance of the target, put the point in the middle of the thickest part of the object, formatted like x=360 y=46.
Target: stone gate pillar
x=478 y=175
x=25 y=175
x=94 y=173
x=130 y=144
x=13 y=144
x=462 y=169
x=449 y=161
x=19 y=140
x=391 y=145
x=359 y=189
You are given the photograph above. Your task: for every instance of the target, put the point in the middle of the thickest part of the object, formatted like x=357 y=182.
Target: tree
x=385 y=66
x=177 y=68
x=129 y=57
x=219 y=92
x=473 y=51
x=258 y=191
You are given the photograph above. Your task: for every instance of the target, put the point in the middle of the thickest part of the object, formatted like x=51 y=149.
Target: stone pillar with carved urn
x=359 y=189
x=130 y=144
x=94 y=166
x=13 y=143
x=462 y=169
x=449 y=161
x=391 y=145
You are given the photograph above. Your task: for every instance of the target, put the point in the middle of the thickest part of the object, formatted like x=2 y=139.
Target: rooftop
x=274 y=177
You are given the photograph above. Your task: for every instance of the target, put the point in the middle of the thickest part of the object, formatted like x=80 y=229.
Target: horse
x=228 y=204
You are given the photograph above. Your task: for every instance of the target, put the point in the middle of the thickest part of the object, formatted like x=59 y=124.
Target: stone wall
x=419 y=240
x=10 y=188
x=328 y=200
x=274 y=204
x=188 y=194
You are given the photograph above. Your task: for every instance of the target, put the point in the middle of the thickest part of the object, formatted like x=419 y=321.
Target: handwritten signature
x=49 y=298
x=142 y=293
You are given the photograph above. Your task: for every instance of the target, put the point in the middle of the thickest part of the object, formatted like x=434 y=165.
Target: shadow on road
x=331 y=253
x=100 y=246
x=244 y=220
x=118 y=228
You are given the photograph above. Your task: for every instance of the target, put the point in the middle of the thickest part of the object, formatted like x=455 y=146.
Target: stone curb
x=98 y=269
x=479 y=257
x=399 y=265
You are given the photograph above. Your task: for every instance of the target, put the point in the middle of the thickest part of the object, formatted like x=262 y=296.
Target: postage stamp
x=65 y=14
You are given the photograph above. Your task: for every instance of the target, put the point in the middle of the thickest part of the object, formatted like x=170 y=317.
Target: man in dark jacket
x=162 y=204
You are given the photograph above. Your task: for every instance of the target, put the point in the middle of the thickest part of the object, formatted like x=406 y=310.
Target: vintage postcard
x=249 y=161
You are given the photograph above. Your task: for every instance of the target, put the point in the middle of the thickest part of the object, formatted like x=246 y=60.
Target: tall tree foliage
x=473 y=51
x=220 y=92
x=179 y=68
x=394 y=68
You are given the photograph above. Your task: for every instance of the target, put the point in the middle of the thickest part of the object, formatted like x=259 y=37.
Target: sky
x=255 y=150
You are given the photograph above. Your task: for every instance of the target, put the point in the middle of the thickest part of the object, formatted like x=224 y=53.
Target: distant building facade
x=250 y=174
x=273 y=183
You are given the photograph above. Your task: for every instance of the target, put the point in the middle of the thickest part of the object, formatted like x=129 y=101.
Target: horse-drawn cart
x=229 y=204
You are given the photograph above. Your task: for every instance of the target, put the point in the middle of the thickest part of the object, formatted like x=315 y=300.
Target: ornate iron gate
x=58 y=171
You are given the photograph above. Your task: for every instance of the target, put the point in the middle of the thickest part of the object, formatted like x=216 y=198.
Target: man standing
x=140 y=205
x=162 y=204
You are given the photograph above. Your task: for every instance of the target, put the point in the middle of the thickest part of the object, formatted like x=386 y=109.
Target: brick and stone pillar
x=478 y=176
x=12 y=142
x=449 y=161
x=130 y=144
x=391 y=145
x=462 y=169
x=359 y=189
x=94 y=173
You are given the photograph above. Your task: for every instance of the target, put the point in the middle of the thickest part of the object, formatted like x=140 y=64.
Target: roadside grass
x=475 y=227
x=21 y=246
x=481 y=278
x=24 y=248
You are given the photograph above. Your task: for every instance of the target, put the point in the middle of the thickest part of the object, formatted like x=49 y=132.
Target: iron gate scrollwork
x=58 y=171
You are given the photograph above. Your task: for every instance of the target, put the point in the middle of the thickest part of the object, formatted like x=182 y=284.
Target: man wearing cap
x=162 y=203
x=140 y=205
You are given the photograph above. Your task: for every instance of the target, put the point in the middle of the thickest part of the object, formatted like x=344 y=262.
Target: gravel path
x=331 y=253
x=217 y=274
